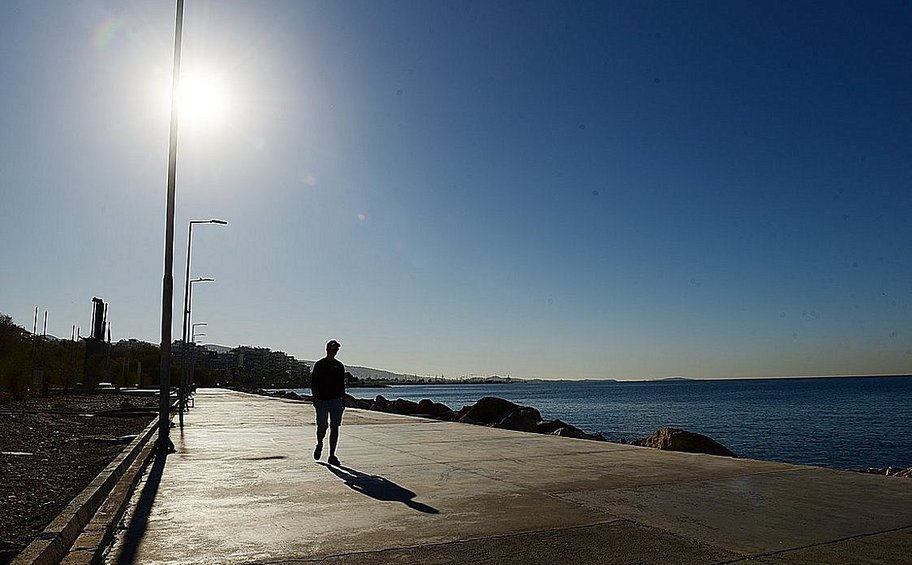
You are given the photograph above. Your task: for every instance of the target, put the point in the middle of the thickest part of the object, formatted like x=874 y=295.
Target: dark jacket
x=327 y=380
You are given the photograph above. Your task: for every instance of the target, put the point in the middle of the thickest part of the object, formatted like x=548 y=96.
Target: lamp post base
x=164 y=446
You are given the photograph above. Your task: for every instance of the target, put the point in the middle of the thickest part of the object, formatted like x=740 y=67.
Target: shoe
x=333 y=460
x=317 y=451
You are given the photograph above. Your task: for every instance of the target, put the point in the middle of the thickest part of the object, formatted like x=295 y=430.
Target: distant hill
x=671 y=379
x=377 y=374
x=380 y=374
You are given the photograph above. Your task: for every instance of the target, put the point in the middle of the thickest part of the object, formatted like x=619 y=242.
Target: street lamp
x=193 y=333
x=186 y=315
x=187 y=275
x=190 y=294
x=182 y=393
x=164 y=444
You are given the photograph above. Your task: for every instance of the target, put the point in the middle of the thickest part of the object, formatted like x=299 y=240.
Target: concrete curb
x=53 y=544
x=91 y=545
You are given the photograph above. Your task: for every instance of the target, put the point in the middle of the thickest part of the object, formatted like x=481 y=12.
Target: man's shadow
x=378 y=487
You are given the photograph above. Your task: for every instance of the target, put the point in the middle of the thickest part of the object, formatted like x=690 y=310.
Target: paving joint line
x=436 y=544
x=821 y=544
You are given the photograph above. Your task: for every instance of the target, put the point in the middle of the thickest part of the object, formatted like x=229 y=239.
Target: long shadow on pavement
x=379 y=488
x=140 y=518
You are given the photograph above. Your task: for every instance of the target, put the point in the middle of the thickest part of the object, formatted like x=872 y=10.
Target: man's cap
x=333 y=343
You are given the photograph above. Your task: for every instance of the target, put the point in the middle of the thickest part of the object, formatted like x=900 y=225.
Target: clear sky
x=534 y=189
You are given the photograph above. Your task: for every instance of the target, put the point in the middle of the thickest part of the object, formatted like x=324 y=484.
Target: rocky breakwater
x=500 y=413
x=488 y=411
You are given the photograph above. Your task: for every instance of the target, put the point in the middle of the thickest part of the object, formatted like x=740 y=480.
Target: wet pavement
x=243 y=488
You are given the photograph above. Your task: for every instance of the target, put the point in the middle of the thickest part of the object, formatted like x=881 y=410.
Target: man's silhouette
x=327 y=382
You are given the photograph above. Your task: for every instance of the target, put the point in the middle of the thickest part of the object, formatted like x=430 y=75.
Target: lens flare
x=105 y=32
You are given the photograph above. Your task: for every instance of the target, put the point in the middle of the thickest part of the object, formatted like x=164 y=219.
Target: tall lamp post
x=187 y=382
x=163 y=444
x=193 y=282
x=186 y=316
x=182 y=395
x=187 y=274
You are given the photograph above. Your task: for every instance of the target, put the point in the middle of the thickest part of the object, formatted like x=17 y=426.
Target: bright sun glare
x=202 y=99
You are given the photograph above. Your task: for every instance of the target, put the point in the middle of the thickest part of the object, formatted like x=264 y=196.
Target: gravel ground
x=52 y=448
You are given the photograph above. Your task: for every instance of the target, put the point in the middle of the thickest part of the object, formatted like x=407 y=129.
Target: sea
x=837 y=422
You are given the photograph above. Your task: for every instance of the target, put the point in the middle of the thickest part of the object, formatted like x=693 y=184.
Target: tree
x=14 y=361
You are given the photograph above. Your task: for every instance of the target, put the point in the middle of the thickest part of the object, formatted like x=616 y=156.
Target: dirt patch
x=52 y=448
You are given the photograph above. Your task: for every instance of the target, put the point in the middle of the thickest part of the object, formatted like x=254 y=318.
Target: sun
x=202 y=99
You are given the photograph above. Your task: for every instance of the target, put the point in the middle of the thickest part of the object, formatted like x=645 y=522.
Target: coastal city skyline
x=624 y=191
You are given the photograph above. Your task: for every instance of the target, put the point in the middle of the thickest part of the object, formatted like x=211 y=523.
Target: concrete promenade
x=243 y=488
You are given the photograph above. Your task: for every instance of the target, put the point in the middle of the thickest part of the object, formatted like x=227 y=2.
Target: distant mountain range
x=377 y=374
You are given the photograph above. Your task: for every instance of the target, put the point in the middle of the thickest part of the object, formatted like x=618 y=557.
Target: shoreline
x=657 y=380
x=665 y=438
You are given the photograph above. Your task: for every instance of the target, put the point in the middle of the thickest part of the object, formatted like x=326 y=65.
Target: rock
x=519 y=420
x=449 y=417
x=576 y=433
x=381 y=401
x=563 y=429
x=433 y=409
x=352 y=402
x=492 y=410
x=402 y=406
x=460 y=415
x=874 y=471
x=291 y=395
x=550 y=426
x=889 y=472
x=673 y=439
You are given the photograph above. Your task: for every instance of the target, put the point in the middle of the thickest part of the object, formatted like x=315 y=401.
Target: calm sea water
x=842 y=423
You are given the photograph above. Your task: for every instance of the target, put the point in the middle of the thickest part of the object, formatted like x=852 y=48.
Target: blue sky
x=536 y=189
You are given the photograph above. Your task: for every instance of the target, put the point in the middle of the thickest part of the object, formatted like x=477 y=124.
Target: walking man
x=327 y=382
